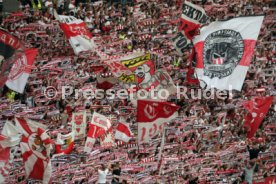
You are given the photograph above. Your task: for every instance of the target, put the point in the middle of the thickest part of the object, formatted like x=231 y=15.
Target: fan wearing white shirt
x=49 y=3
x=103 y=171
x=88 y=20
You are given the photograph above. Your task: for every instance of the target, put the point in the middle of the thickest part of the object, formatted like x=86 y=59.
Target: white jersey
x=102 y=176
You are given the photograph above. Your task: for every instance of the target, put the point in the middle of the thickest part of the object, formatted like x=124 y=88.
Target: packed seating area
x=206 y=143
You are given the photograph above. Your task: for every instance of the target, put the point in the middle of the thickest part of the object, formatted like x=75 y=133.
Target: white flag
x=224 y=50
x=77 y=33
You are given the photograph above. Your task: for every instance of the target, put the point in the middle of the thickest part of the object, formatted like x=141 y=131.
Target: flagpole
x=222 y=125
x=162 y=143
x=161 y=148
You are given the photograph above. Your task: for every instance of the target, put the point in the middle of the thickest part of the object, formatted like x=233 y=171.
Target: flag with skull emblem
x=257 y=109
x=224 y=50
x=151 y=116
x=35 y=147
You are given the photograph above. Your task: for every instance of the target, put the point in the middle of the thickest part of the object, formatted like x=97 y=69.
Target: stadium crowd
x=197 y=148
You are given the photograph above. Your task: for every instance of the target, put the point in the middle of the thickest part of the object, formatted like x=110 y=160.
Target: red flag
x=65 y=143
x=257 y=109
x=123 y=132
x=9 y=46
x=108 y=139
x=94 y=132
x=151 y=117
x=98 y=127
x=271 y=179
x=267 y=180
x=21 y=70
x=35 y=146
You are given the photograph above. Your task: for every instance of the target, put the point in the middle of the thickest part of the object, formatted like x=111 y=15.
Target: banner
x=181 y=43
x=94 y=132
x=192 y=18
x=160 y=80
x=79 y=124
x=151 y=117
x=224 y=50
x=142 y=67
x=101 y=121
x=98 y=127
x=108 y=140
x=120 y=71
